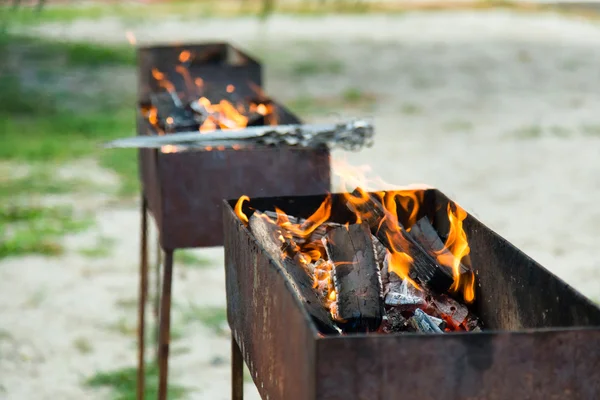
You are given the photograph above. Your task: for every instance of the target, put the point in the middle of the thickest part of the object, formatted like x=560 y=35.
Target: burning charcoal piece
x=423 y=323
x=424 y=267
x=394 y=321
x=450 y=310
x=472 y=323
x=439 y=322
x=172 y=117
x=405 y=296
x=267 y=233
x=426 y=235
x=356 y=277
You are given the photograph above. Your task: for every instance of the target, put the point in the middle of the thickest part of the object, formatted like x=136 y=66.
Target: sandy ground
x=497 y=109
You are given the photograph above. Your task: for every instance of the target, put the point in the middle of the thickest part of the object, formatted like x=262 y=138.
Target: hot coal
x=423 y=323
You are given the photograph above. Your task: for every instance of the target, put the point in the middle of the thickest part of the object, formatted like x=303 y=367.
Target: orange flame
x=455 y=248
x=382 y=211
x=238 y=209
x=224 y=115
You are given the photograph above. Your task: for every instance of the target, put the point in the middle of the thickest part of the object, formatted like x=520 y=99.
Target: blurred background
x=495 y=103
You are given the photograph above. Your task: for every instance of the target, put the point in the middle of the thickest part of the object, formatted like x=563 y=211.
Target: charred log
x=425 y=268
x=356 y=277
x=426 y=235
x=267 y=234
x=172 y=115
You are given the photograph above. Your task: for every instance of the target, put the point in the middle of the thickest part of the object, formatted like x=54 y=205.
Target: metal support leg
x=156 y=302
x=165 y=326
x=143 y=293
x=237 y=371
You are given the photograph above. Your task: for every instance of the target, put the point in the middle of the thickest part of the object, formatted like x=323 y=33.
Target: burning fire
x=238 y=209
x=229 y=113
x=297 y=242
x=458 y=247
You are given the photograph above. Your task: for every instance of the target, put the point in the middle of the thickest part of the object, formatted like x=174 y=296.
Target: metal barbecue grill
x=183 y=183
x=542 y=337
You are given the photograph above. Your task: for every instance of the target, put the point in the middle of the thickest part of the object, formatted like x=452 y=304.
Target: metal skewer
x=351 y=135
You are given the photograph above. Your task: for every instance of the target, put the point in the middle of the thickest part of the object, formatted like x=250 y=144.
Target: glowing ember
x=229 y=113
x=185 y=56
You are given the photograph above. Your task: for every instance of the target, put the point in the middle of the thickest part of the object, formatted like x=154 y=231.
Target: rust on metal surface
x=142 y=300
x=237 y=371
x=540 y=342
x=165 y=326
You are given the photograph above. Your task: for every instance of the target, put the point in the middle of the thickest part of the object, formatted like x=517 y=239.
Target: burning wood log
x=380 y=252
x=424 y=268
x=426 y=235
x=356 y=277
x=316 y=235
x=267 y=234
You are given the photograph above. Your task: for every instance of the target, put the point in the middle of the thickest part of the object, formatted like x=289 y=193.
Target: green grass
x=69 y=53
x=350 y=98
x=410 y=109
x=90 y=55
x=528 y=132
x=83 y=345
x=36 y=229
x=122 y=383
x=214 y=318
x=591 y=130
x=101 y=249
x=458 y=126
x=189 y=259
x=560 y=131
x=44 y=125
x=315 y=67
x=353 y=95
x=134 y=13
x=39 y=180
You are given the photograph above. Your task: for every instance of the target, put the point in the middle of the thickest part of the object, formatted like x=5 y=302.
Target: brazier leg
x=237 y=372
x=165 y=326
x=143 y=293
x=156 y=300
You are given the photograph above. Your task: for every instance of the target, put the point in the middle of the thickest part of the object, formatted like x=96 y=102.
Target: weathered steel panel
x=542 y=342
